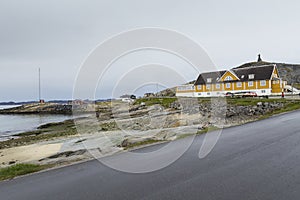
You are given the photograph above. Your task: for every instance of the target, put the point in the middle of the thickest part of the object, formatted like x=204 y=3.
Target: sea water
x=13 y=124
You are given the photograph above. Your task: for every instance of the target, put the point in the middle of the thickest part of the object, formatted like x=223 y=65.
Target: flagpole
x=39 y=84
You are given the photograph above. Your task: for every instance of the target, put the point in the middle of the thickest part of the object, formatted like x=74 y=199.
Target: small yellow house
x=263 y=80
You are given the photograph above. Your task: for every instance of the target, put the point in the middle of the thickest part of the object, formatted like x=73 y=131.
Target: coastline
x=37 y=108
x=60 y=143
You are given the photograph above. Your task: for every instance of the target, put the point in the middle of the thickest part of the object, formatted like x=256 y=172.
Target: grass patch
x=248 y=101
x=296 y=85
x=44 y=133
x=141 y=143
x=252 y=101
x=26 y=140
x=184 y=136
x=165 y=102
x=20 y=169
x=207 y=129
x=58 y=125
x=110 y=126
x=29 y=133
x=53 y=130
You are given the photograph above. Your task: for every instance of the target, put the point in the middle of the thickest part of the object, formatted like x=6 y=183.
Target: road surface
x=259 y=160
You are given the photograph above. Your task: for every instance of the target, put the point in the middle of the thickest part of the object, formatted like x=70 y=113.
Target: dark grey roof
x=260 y=73
x=202 y=78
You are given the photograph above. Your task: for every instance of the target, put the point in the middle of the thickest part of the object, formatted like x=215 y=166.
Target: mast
x=40 y=85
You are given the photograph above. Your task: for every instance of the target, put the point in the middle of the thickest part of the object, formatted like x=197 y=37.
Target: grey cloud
x=58 y=35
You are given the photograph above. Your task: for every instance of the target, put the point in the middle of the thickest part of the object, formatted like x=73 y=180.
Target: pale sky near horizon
x=58 y=35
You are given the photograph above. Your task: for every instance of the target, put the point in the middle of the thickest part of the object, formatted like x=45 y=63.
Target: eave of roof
x=263 y=72
x=202 y=78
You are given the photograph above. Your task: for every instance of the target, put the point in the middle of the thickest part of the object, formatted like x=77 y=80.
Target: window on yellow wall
x=263 y=83
x=250 y=84
x=238 y=84
x=218 y=86
x=199 y=87
x=208 y=86
x=228 y=85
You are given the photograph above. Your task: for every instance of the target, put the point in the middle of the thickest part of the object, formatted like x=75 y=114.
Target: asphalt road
x=259 y=160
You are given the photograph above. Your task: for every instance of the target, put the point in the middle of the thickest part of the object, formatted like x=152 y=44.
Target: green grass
x=184 y=136
x=252 y=101
x=20 y=169
x=244 y=101
x=54 y=130
x=142 y=143
x=58 y=125
x=296 y=85
x=29 y=133
x=165 y=102
x=44 y=133
x=207 y=129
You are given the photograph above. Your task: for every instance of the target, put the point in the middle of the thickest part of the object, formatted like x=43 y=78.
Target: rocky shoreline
x=36 y=108
x=121 y=126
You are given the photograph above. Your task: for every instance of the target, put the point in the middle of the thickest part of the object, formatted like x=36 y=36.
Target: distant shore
x=36 y=108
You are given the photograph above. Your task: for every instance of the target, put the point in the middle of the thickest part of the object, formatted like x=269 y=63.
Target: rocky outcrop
x=46 y=108
x=170 y=92
x=221 y=113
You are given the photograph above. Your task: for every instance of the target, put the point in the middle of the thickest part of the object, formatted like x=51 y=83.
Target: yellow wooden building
x=263 y=80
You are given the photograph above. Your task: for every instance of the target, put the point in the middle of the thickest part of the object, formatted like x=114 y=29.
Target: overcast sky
x=58 y=35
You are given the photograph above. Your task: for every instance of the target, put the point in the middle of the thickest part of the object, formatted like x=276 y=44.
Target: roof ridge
x=214 y=72
x=267 y=65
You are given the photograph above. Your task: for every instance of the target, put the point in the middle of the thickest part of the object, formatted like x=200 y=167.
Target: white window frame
x=228 y=78
x=251 y=76
x=209 y=80
x=199 y=87
x=263 y=83
x=228 y=85
x=218 y=86
x=250 y=84
x=208 y=86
